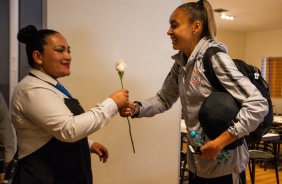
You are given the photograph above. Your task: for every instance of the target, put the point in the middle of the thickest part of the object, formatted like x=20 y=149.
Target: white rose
x=120 y=66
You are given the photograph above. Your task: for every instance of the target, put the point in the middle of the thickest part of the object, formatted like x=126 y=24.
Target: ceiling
x=250 y=15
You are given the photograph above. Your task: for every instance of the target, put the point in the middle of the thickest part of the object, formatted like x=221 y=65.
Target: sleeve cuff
x=90 y=143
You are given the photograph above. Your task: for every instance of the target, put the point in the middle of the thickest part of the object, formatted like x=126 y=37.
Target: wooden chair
x=183 y=157
x=183 y=166
x=262 y=152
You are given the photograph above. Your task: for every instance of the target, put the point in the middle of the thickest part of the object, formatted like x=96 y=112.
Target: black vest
x=58 y=162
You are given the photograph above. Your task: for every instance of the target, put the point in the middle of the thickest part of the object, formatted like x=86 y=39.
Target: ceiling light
x=226 y=17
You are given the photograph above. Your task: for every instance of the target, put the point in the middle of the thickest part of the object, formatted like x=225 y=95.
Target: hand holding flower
x=120 y=97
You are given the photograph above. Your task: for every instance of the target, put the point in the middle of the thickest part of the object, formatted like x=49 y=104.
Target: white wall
x=14 y=47
x=99 y=33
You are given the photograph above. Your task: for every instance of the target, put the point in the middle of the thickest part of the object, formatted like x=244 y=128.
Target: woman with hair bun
x=51 y=126
x=192 y=31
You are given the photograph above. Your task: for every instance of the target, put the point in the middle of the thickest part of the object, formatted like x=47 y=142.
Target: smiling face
x=55 y=59
x=184 y=35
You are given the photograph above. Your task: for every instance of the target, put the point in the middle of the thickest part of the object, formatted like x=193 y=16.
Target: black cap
x=216 y=114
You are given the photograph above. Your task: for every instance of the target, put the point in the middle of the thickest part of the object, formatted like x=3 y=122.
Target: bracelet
x=136 y=107
x=232 y=128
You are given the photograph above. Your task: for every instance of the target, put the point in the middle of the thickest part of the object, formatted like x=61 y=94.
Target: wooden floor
x=265 y=177
x=262 y=176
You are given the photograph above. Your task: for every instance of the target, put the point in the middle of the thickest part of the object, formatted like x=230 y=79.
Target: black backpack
x=254 y=74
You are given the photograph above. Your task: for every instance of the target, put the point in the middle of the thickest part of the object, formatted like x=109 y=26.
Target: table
x=277 y=120
x=270 y=137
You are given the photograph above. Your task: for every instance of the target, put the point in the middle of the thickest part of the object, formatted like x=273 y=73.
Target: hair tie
x=200 y=2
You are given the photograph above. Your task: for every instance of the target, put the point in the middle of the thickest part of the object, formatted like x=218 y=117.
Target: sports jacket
x=187 y=81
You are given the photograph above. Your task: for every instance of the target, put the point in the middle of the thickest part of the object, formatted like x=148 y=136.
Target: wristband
x=232 y=128
x=136 y=107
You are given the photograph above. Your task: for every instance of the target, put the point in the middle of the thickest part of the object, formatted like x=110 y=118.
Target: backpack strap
x=212 y=78
x=209 y=72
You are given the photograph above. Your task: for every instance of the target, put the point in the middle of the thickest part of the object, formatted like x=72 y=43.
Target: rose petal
x=120 y=66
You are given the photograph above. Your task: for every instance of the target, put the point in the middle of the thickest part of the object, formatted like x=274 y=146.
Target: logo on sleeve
x=195 y=78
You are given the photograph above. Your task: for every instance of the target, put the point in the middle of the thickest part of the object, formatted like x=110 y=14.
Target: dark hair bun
x=25 y=34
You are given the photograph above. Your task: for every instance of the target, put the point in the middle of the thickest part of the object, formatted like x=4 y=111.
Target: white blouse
x=38 y=113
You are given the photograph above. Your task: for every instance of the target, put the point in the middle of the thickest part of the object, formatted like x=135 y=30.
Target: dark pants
x=227 y=179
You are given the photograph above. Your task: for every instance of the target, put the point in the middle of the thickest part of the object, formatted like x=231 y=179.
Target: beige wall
x=99 y=33
x=265 y=44
x=235 y=41
x=254 y=46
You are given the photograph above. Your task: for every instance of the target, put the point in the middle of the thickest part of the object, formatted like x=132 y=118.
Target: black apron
x=58 y=162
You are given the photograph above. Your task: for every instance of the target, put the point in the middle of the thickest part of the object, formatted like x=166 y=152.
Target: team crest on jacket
x=195 y=78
